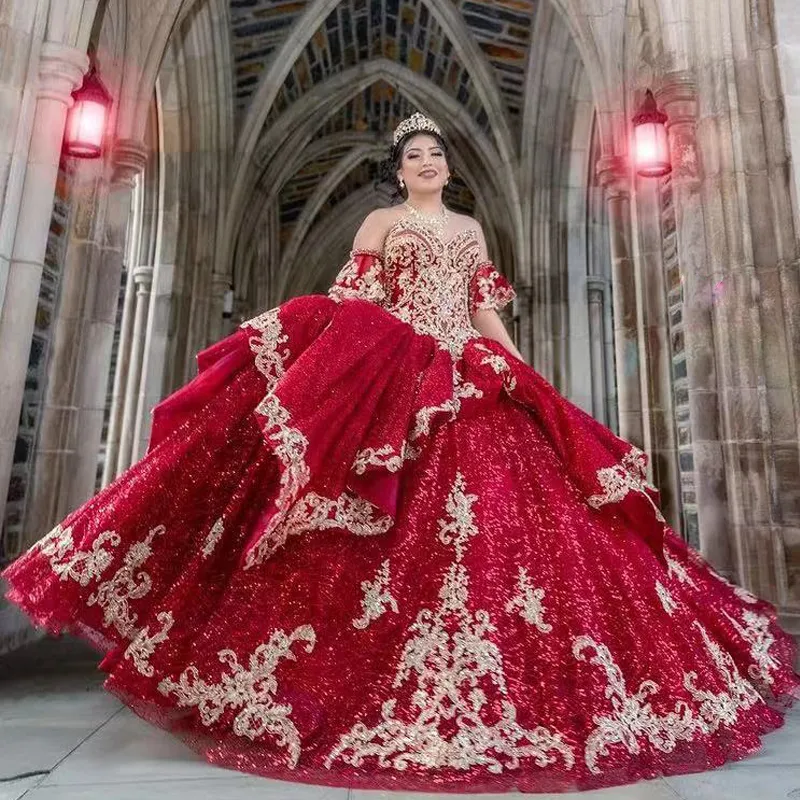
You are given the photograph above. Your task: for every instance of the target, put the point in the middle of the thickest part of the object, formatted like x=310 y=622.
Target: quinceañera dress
x=370 y=547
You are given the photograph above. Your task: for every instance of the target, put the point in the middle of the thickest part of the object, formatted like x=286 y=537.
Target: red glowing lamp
x=88 y=118
x=651 y=146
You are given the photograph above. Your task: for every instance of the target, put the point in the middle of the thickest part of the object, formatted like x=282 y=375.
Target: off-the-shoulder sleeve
x=488 y=288
x=362 y=276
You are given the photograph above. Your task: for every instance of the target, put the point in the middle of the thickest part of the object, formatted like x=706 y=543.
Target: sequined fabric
x=369 y=547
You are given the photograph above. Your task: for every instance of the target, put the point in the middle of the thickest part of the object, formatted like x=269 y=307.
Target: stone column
x=151 y=385
x=678 y=98
x=22 y=27
x=120 y=383
x=524 y=309
x=143 y=279
x=128 y=160
x=613 y=175
x=61 y=70
x=71 y=424
x=59 y=429
x=596 y=287
x=659 y=419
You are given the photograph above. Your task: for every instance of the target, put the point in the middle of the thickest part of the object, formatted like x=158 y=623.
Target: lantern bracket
x=649 y=111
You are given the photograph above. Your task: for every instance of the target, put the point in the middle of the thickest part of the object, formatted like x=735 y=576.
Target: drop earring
x=402 y=183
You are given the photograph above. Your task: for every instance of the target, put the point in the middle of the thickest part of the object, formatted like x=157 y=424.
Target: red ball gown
x=369 y=547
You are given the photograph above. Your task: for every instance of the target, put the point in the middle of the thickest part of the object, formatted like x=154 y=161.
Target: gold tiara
x=415 y=123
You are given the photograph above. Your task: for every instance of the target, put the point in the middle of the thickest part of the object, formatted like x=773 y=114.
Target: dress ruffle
x=407 y=387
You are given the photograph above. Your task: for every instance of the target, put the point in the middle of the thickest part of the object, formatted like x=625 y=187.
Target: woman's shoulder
x=465 y=222
x=373 y=230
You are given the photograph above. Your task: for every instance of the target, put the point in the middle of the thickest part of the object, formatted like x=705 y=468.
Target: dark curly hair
x=391 y=165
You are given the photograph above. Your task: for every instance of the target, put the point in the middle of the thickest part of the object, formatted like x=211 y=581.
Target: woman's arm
x=488 y=323
x=486 y=320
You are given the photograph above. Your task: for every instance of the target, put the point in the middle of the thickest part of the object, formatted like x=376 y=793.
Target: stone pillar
x=754 y=255
x=61 y=70
x=143 y=279
x=613 y=175
x=659 y=419
x=678 y=98
x=22 y=28
x=151 y=386
x=59 y=429
x=611 y=370
x=120 y=384
x=128 y=160
x=596 y=287
x=524 y=310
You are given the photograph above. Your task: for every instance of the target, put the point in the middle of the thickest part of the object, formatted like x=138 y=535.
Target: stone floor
x=56 y=719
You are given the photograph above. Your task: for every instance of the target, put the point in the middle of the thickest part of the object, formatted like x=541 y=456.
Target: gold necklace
x=436 y=221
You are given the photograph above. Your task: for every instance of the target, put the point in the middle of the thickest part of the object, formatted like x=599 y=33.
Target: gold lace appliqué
x=721 y=708
x=377 y=598
x=290 y=446
x=489 y=289
x=269 y=359
x=452 y=406
x=449 y=656
x=633 y=717
x=114 y=596
x=252 y=691
x=754 y=629
x=529 y=602
x=678 y=570
x=314 y=512
x=384 y=456
x=368 y=285
x=214 y=535
x=630 y=475
x=144 y=645
x=458 y=524
x=81 y=566
x=667 y=601
x=499 y=364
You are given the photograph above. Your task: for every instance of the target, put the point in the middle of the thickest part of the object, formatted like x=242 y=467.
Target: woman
x=369 y=546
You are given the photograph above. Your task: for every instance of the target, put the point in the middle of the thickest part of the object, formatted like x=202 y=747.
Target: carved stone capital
x=61 y=71
x=143 y=278
x=595 y=287
x=677 y=96
x=612 y=172
x=129 y=158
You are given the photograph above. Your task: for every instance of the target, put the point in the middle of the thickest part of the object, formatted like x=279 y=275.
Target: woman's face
x=423 y=167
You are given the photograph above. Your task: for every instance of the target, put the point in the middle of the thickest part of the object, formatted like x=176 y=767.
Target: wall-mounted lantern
x=87 y=120
x=651 y=145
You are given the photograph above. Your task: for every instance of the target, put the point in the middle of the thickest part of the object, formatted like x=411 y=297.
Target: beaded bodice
x=434 y=285
x=426 y=281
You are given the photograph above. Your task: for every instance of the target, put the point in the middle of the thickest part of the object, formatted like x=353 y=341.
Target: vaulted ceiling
x=466 y=60
x=400 y=30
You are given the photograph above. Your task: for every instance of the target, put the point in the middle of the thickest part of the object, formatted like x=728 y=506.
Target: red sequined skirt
x=352 y=558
